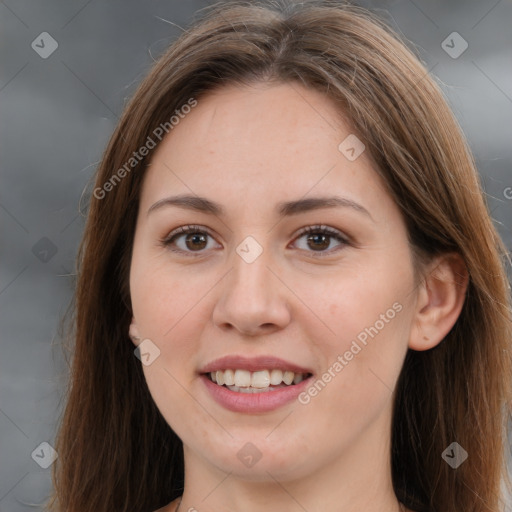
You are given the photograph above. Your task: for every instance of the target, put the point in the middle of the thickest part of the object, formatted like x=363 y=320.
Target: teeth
x=276 y=377
x=248 y=390
x=299 y=377
x=260 y=379
x=229 y=377
x=250 y=382
x=288 y=377
x=242 y=378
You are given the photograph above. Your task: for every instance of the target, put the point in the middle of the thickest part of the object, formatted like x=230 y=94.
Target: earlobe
x=440 y=301
x=134 y=333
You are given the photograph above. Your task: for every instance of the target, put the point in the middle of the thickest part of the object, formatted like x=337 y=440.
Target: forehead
x=245 y=143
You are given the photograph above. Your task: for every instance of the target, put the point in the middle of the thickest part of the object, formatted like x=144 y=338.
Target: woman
x=291 y=295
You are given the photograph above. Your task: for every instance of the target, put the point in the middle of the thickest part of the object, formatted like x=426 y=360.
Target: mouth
x=262 y=381
x=256 y=384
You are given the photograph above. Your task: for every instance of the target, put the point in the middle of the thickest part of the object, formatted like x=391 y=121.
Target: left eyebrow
x=315 y=203
x=283 y=209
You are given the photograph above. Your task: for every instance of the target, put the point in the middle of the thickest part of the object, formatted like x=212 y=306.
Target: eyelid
x=315 y=228
x=186 y=229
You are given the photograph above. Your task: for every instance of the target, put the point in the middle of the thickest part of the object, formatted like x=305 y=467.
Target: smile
x=244 y=381
x=248 y=399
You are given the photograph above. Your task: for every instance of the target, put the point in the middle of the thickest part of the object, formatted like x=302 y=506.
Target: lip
x=252 y=364
x=254 y=402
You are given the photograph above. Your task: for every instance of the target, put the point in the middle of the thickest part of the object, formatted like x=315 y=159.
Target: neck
x=401 y=507
x=358 y=480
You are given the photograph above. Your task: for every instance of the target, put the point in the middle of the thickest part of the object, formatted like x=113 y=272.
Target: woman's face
x=247 y=282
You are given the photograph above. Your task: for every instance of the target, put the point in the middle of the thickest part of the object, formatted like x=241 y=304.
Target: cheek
x=161 y=298
x=361 y=364
x=369 y=316
x=355 y=300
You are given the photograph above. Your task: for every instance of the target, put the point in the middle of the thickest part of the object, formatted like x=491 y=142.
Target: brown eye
x=187 y=239
x=319 y=239
x=195 y=241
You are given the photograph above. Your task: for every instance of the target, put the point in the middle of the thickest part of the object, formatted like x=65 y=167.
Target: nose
x=252 y=299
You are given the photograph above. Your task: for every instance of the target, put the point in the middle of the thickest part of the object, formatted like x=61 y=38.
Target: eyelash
x=318 y=229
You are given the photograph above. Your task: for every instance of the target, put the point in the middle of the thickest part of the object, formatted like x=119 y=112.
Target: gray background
x=56 y=116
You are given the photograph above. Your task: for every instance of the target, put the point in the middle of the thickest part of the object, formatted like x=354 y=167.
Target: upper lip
x=252 y=364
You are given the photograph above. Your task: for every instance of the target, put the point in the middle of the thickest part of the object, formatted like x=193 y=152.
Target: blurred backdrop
x=68 y=68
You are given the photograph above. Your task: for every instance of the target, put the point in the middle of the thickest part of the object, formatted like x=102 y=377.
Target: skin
x=249 y=148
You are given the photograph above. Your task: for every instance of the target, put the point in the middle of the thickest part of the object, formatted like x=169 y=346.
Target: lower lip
x=254 y=402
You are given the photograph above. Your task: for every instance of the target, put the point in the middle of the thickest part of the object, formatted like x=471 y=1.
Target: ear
x=440 y=299
x=134 y=333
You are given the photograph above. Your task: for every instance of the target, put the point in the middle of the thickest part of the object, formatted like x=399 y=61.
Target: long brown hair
x=116 y=452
